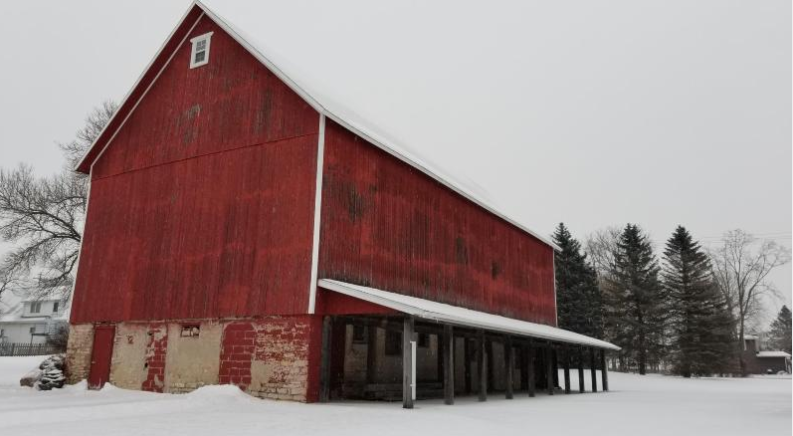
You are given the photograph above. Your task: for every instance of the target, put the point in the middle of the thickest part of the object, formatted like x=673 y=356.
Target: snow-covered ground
x=650 y=405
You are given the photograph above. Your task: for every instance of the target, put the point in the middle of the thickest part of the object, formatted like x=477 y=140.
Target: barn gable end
x=202 y=203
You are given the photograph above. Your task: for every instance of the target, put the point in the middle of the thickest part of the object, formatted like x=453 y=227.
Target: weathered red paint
x=202 y=208
x=389 y=226
x=237 y=350
x=332 y=303
x=101 y=356
x=156 y=347
x=202 y=205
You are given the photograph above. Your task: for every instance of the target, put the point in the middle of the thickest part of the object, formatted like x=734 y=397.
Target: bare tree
x=600 y=247
x=42 y=217
x=741 y=265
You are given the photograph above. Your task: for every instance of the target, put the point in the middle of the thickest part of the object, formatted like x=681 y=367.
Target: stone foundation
x=273 y=357
x=78 y=352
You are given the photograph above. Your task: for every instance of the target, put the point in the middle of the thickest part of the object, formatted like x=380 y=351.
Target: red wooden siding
x=389 y=226
x=202 y=205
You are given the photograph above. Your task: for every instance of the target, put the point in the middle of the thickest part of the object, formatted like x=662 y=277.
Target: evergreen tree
x=579 y=304
x=700 y=323
x=635 y=299
x=779 y=336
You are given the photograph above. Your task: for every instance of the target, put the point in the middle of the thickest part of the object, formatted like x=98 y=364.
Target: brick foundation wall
x=274 y=357
x=236 y=354
x=78 y=352
x=156 y=348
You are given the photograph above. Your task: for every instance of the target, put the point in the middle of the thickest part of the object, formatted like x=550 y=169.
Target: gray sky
x=593 y=113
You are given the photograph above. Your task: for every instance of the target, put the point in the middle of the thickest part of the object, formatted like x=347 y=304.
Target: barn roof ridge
x=336 y=112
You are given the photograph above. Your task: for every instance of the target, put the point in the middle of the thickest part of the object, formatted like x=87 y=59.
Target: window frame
x=35 y=307
x=207 y=37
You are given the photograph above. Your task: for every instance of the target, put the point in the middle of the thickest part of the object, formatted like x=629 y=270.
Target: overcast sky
x=594 y=113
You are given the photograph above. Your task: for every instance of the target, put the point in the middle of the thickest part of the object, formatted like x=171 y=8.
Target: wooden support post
x=481 y=364
x=468 y=357
x=593 y=369
x=509 y=361
x=604 y=372
x=532 y=380
x=407 y=363
x=371 y=354
x=580 y=370
x=324 y=374
x=489 y=355
x=549 y=367
x=448 y=365
x=566 y=364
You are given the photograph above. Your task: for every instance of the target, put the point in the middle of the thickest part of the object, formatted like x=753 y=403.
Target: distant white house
x=28 y=320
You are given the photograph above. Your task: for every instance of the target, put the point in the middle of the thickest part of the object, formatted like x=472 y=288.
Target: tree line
x=686 y=311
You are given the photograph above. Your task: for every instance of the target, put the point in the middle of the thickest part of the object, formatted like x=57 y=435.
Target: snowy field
x=651 y=405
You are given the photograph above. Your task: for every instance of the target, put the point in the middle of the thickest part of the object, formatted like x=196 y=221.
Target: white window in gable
x=199 y=55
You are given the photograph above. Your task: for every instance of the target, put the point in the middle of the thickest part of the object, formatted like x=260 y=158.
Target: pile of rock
x=47 y=376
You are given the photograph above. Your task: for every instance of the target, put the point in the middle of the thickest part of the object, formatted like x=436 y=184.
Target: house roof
x=12 y=307
x=455 y=315
x=240 y=20
x=763 y=354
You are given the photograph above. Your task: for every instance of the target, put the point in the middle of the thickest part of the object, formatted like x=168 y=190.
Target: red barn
x=241 y=231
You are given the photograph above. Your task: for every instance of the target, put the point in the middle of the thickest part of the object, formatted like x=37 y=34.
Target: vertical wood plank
x=549 y=367
x=509 y=361
x=324 y=376
x=593 y=369
x=566 y=363
x=468 y=357
x=532 y=380
x=371 y=354
x=580 y=370
x=407 y=362
x=448 y=365
x=481 y=364
x=604 y=372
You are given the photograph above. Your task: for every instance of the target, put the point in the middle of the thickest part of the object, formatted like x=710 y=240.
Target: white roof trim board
x=763 y=354
x=448 y=314
x=349 y=120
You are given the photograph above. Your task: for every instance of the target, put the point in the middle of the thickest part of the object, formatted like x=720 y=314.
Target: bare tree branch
x=42 y=217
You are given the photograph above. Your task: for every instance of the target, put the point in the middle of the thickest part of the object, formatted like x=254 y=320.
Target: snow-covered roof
x=242 y=20
x=446 y=313
x=773 y=354
x=12 y=307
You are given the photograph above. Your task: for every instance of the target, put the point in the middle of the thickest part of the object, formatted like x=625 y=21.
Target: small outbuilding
x=243 y=230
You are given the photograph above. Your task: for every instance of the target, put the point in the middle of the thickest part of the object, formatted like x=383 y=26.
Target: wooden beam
x=549 y=368
x=532 y=380
x=580 y=370
x=524 y=373
x=566 y=363
x=593 y=369
x=469 y=356
x=509 y=361
x=604 y=371
x=371 y=353
x=324 y=374
x=407 y=362
x=481 y=364
x=448 y=365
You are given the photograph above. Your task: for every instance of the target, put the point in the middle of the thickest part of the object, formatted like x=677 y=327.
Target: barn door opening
x=101 y=355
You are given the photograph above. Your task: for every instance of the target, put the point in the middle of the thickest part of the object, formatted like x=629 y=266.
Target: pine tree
x=700 y=323
x=579 y=304
x=779 y=335
x=635 y=299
